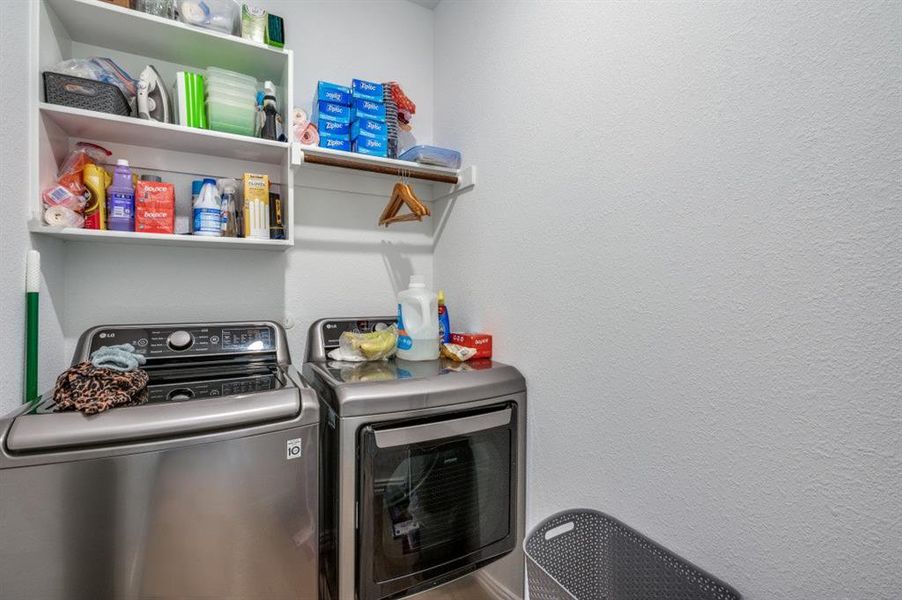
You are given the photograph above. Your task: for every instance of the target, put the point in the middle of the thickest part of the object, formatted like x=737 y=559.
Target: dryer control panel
x=324 y=334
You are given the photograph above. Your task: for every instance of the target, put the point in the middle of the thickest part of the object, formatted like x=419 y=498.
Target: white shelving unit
x=156 y=239
x=82 y=28
x=88 y=124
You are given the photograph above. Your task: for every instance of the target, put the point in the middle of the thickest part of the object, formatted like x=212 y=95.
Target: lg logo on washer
x=295 y=448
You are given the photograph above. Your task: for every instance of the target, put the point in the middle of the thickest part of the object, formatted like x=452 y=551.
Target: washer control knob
x=180 y=340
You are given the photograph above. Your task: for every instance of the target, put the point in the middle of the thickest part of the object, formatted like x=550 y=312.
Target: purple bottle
x=121 y=199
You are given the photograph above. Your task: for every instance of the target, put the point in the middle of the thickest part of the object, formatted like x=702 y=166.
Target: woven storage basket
x=587 y=555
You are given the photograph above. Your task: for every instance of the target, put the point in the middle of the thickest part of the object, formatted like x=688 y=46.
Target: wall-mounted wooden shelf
x=313 y=155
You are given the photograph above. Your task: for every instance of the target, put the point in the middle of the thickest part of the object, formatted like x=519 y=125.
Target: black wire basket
x=587 y=555
x=88 y=94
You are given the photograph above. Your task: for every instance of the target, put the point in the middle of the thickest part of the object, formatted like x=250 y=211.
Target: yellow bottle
x=97 y=180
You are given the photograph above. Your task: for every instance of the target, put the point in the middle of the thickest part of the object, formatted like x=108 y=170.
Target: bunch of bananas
x=375 y=345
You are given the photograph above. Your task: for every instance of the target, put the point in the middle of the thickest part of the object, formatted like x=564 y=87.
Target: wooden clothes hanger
x=402 y=195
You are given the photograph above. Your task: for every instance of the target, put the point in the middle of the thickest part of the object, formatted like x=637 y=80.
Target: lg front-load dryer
x=423 y=473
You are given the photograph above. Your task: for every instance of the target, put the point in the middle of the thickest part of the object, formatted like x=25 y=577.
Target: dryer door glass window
x=436 y=499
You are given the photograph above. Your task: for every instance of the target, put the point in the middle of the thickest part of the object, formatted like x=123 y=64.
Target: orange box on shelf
x=154 y=207
x=481 y=342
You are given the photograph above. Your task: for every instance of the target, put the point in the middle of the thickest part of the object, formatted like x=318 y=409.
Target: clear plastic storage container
x=217 y=75
x=218 y=15
x=231 y=116
x=432 y=155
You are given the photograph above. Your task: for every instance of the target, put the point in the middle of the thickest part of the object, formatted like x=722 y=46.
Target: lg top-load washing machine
x=207 y=491
x=423 y=469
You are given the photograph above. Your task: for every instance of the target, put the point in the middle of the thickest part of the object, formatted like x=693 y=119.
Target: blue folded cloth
x=122 y=358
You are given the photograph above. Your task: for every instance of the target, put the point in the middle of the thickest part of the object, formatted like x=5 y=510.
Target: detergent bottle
x=96 y=180
x=208 y=210
x=418 y=334
x=121 y=199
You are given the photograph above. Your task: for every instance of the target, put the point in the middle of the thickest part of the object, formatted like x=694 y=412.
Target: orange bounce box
x=482 y=342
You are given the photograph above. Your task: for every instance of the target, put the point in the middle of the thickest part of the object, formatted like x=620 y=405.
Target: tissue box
x=367 y=109
x=330 y=92
x=366 y=90
x=327 y=111
x=481 y=342
x=335 y=143
x=334 y=130
x=368 y=128
x=371 y=146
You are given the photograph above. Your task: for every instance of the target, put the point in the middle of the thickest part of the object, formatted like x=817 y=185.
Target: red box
x=154 y=207
x=482 y=342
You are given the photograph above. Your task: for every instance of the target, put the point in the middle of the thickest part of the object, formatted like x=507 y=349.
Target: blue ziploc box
x=367 y=90
x=335 y=143
x=368 y=128
x=327 y=111
x=371 y=146
x=334 y=130
x=367 y=109
x=330 y=92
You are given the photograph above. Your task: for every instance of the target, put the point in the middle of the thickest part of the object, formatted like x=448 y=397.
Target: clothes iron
x=153 y=99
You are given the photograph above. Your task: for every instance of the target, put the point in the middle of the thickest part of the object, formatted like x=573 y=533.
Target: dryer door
x=436 y=499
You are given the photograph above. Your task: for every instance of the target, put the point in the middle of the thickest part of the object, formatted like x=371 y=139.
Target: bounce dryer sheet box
x=154 y=207
x=367 y=90
x=327 y=111
x=334 y=130
x=367 y=109
x=371 y=146
x=481 y=342
x=368 y=128
x=330 y=92
x=335 y=143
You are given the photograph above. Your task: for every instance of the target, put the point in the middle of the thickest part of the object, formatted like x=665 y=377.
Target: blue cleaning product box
x=331 y=92
x=327 y=111
x=367 y=109
x=368 y=128
x=334 y=129
x=367 y=90
x=371 y=146
x=335 y=143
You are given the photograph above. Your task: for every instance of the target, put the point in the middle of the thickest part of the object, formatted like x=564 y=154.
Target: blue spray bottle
x=444 y=322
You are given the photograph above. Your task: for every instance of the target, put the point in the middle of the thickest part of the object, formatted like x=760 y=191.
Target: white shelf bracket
x=297 y=155
x=466 y=181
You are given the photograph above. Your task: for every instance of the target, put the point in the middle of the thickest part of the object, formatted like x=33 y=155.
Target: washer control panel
x=175 y=341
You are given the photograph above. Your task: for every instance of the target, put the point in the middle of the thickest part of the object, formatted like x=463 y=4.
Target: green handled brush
x=32 y=290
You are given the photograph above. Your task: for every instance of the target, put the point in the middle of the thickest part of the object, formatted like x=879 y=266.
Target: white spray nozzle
x=33 y=271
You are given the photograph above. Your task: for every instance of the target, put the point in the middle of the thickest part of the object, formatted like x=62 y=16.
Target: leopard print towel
x=92 y=390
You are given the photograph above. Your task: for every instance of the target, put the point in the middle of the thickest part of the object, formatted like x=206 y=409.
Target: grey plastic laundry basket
x=587 y=555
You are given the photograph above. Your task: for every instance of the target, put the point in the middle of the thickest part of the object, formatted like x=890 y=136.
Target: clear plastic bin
x=231 y=117
x=217 y=75
x=587 y=555
x=432 y=155
x=218 y=15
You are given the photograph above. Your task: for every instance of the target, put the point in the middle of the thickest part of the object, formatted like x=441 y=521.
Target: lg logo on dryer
x=295 y=448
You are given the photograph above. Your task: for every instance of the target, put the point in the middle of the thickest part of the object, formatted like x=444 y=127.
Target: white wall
x=687 y=234
x=341 y=265
x=14 y=237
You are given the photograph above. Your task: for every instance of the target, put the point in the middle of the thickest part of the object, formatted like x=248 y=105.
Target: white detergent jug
x=418 y=335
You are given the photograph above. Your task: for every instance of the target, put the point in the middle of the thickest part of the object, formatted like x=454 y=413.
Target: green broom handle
x=31 y=347
x=32 y=292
